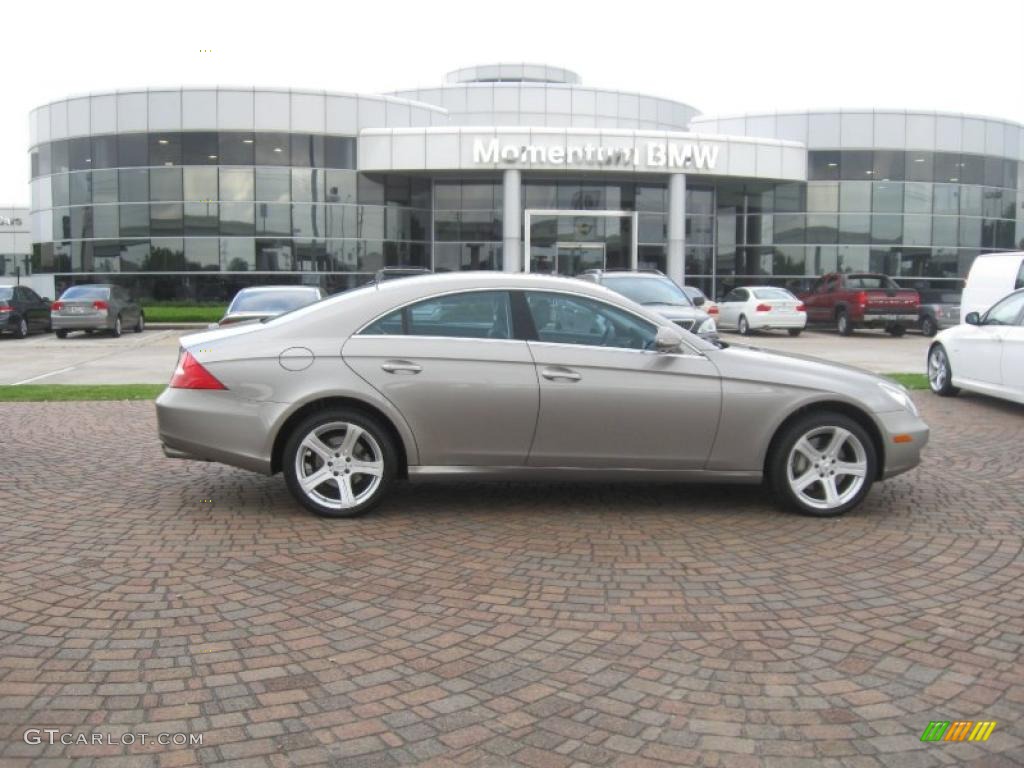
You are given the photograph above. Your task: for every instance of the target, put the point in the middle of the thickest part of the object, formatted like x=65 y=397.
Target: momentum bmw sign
x=682 y=155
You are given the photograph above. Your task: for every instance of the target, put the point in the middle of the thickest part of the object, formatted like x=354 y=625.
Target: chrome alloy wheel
x=827 y=467
x=938 y=369
x=339 y=465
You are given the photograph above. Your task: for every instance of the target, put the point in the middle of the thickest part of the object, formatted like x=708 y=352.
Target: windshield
x=648 y=290
x=6 y=293
x=871 y=283
x=774 y=293
x=87 y=292
x=284 y=300
x=694 y=292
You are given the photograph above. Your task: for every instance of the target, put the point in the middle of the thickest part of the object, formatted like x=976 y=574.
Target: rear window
x=871 y=283
x=774 y=293
x=6 y=292
x=87 y=292
x=272 y=301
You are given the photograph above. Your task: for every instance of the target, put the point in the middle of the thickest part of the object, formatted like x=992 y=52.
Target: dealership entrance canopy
x=193 y=193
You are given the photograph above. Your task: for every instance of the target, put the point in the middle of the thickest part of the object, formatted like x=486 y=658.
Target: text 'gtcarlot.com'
x=67 y=738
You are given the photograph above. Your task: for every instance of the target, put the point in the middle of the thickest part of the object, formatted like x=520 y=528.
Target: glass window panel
x=371 y=255
x=822 y=228
x=823 y=165
x=133 y=186
x=970 y=232
x=477 y=196
x=307 y=185
x=339 y=152
x=993 y=172
x=166 y=219
x=60 y=189
x=699 y=202
x=946 y=198
x=419 y=224
x=920 y=166
x=134 y=255
x=165 y=149
x=854 y=228
x=202 y=219
x=759 y=198
x=648 y=198
x=165 y=184
x=481 y=225
x=1009 y=174
x=307 y=151
x=791 y=198
x=81 y=188
x=166 y=255
x=447 y=226
x=237 y=254
x=370 y=189
x=972 y=169
x=237 y=219
x=34 y=164
x=81 y=222
x=917 y=230
x=653 y=228
x=944 y=231
x=200 y=148
x=340 y=186
x=700 y=230
x=822 y=259
x=132 y=150
x=59 y=150
x=309 y=221
x=273 y=185
x=536 y=195
x=273 y=149
x=855 y=196
x=823 y=197
x=274 y=219
x=789 y=260
x=62 y=223
x=888 y=165
x=278 y=255
x=917 y=197
x=886 y=228
x=853 y=258
x=46 y=160
x=789 y=228
x=1010 y=207
x=947 y=167
x=991 y=202
x=970 y=201
x=104 y=187
x=857 y=165
x=236 y=184
x=200 y=184
x=236 y=148
x=887 y=197
x=105 y=221
x=202 y=253
x=79 y=154
x=447 y=195
x=464 y=256
x=371 y=222
x=341 y=220
x=134 y=220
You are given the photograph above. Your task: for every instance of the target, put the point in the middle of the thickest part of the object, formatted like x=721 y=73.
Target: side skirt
x=588 y=474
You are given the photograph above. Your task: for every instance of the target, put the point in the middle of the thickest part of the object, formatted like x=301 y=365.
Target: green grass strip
x=42 y=393
x=910 y=380
x=184 y=314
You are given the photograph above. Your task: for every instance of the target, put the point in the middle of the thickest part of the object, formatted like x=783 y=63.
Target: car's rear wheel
x=140 y=325
x=843 y=324
x=339 y=463
x=116 y=330
x=21 y=329
x=940 y=372
x=823 y=464
x=743 y=326
x=795 y=331
x=62 y=333
x=896 y=330
x=928 y=326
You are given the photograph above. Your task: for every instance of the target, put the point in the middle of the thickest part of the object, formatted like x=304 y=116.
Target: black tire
x=795 y=331
x=116 y=330
x=783 y=446
x=942 y=385
x=380 y=440
x=896 y=330
x=140 y=324
x=743 y=326
x=21 y=329
x=928 y=326
x=843 y=324
x=62 y=333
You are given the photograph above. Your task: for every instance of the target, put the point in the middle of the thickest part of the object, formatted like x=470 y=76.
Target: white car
x=762 y=308
x=992 y=276
x=985 y=354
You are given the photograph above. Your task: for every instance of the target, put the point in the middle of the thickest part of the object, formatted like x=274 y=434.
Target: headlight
x=708 y=326
x=900 y=394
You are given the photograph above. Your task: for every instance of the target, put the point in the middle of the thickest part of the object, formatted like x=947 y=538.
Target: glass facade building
x=191 y=194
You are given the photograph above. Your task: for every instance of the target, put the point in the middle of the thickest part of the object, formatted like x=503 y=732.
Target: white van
x=992 y=276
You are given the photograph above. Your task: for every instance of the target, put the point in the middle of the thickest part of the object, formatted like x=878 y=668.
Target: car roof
x=269 y=288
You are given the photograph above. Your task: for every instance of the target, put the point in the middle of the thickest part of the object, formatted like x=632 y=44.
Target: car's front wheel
x=62 y=333
x=140 y=324
x=21 y=329
x=339 y=463
x=843 y=324
x=928 y=326
x=116 y=330
x=823 y=464
x=940 y=372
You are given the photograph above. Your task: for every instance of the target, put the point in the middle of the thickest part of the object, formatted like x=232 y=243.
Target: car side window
x=1007 y=311
x=31 y=295
x=731 y=297
x=563 y=319
x=471 y=315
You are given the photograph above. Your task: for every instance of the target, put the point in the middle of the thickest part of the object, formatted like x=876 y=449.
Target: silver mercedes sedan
x=516 y=376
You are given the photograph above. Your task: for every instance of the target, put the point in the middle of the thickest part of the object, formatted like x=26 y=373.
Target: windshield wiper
x=664 y=303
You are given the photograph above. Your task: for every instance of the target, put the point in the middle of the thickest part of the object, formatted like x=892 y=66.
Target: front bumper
x=81 y=322
x=904 y=436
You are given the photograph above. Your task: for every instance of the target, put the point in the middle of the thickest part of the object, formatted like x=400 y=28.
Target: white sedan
x=762 y=308
x=985 y=354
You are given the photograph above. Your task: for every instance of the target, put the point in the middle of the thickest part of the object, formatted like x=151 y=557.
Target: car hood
x=785 y=369
x=675 y=312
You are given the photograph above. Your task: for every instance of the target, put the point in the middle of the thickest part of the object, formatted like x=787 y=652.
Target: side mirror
x=46 y=299
x=973 y=318
x=698 y=301
x=667 y=340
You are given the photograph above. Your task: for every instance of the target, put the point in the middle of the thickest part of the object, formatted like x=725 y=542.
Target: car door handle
x=400 y=366
x=560 y=374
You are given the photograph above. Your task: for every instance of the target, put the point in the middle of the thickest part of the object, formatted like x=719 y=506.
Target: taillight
x=713 y=310
x=763 y=308
x=57 y=306
x=862 y=298
x=6 y=308
x=190 y=374
x=801 y=307
x=100 y=304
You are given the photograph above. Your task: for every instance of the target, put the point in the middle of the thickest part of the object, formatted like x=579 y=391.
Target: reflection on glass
x=236 y=184
x=237 y=254
x=202 y=219
x=274 y=219
x=236 y=219
x=202 y=253
x=165 y=184
x=166 y=219
x=134 y=220
x=133 y=186
x=273 y=185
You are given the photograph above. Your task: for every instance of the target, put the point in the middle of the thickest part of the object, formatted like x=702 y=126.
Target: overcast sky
x=721 y=57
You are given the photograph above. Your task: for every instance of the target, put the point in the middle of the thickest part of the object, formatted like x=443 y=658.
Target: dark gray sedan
x=523 y=377
x=96 y=307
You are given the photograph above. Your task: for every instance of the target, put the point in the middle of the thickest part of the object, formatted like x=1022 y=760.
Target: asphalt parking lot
x=149 y=357
x=556 y=625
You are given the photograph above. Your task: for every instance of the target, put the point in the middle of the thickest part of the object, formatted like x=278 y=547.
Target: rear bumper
x=886 y=319
x=766 y=323
x=81 y=323
x=912 y=434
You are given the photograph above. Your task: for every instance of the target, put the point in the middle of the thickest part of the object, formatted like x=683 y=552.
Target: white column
x=512 y=227
x=676 y=261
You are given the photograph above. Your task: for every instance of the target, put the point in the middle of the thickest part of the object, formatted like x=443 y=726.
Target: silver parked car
x=261 y=302
x=515 y=376
x=96 y=307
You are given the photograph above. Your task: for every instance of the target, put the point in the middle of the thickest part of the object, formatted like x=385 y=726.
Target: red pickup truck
x=861 y=300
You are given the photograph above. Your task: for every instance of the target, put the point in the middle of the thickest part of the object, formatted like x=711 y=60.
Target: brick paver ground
x=545 y=625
